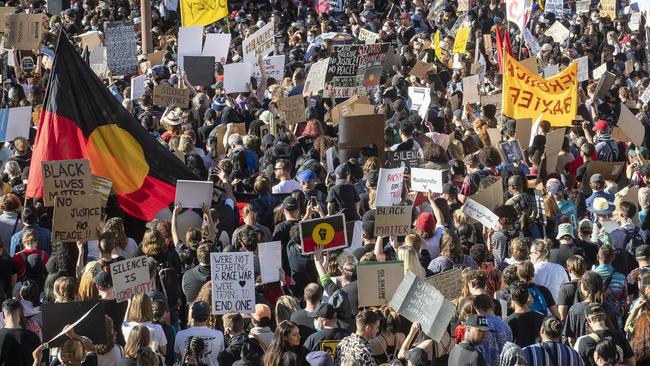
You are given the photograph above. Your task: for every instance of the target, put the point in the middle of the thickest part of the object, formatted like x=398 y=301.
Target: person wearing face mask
x=327 y=328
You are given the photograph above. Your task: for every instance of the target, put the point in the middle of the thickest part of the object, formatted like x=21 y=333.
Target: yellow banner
x=460 y=42
x=436 y=44
x=202 y=12
x=527 y=95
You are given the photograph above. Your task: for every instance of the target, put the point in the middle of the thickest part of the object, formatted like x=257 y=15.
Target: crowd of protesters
x=566 y=282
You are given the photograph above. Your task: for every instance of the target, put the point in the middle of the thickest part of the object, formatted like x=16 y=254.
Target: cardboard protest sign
x=15 y=122
x=102 y=186
x=316 y=77
x=77 y=218
x=377 y=282
x=609 y=171
x=190 y=43
x=121 y=47
x=448 y=283
x=490 y=197
x=511 y=152
x=629 y=194
x=200 y=70
x=261 y=43
x=428 y=180
x=420 y=69
x=608 y=8
x=217 y=46
x=393 y=220
x=356 y=132
x=57 y=316
x=420 y=302
x=202 y=12
x=270 y=255
x=292 y=109
x=170 y=97
x=329 y=232
x=487 y=42
x=583 y=68
x=156 y=57
x=194 y=194
x=530 y=96
x=367 y=36
x=470 y=89
x=631 y=126
x=239 y=128
x=554 y=6
x=530 y=64
x=90 y=39
x=495 y=136
x=480 y=213
x=65 y=178
x=558 y=32
x=605 y=83
x=356 y=68
x=273 y=67
x=137 y=86
x=131 y=277
x=554 y=142
x=358 y=105
x=23 y=31
x=523 y=129
x=389 y=187
x=495 y=100
x=237 y=76
x=531 y=41
x=460 y=40
x=4 y=11
x=233 y=282
x=582 y=6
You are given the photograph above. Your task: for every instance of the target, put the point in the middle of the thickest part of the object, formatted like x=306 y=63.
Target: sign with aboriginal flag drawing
x=355 y=69
x=328 y=232
x=527 y=95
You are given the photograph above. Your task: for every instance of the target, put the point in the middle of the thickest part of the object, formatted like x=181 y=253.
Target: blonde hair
x=66 y=289
x=284 y=307
x=407 y=254
x=414 y=241
x=141 y=309
x=87 y=289
x=29 y=236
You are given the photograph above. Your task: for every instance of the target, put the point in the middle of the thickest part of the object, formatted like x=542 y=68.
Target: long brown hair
x=640 y=340
x=138 y=338
x=141 y=309
x=110 y=337
x=153 y=244
x=279 y=345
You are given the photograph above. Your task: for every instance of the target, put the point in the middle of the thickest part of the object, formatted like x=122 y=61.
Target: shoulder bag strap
x=261 y=342
x=15 y=226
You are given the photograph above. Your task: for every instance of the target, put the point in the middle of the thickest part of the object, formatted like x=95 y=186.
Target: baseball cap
x=594 y=309
x=103 y=279
x=597 y=178
x=307 y=176
x=417 y=356
x=478 y=322
x=642 y=251
x=200 y=311
x=326 y=311
x=425 y=222
x=341 y=172
x=262 y=311
x=290 y=204
x=565 y=229
x=601 y=125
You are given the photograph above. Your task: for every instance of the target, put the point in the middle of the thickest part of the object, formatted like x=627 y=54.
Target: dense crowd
x=562 y=279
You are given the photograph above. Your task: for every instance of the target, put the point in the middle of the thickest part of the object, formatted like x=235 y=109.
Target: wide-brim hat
x=601 y=207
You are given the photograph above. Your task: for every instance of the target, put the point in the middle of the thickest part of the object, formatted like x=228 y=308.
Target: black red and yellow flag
x=328 y=232
x=81 y=119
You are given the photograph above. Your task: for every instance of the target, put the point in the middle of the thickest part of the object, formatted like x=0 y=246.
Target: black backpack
x=170 y=285
x=633 y=239
x=36 y=272
x=253 y=351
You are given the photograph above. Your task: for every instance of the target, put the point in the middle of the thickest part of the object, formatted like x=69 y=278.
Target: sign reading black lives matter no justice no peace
x=65 y=178
x=233 y=283
x=131 y=277
x=77 y=218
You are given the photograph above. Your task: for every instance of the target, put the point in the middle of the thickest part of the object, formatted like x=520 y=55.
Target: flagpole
x=145 y=26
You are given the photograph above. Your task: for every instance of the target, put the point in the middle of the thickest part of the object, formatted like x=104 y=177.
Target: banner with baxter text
x=527 y=95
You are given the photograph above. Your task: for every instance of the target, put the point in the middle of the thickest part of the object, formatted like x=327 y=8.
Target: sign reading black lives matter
x=77 y=218
x=233 y=283
x=130 y=277
x=65 y=178
x=356 y=69
x=121 y=47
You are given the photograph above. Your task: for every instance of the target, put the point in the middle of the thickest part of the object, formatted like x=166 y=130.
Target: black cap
x=200 y=311
x=477 y=321
x=103 y=279
x=326 y=311
x=642 y=251
x=290 y=204
x=594 y=308
x=417 y=356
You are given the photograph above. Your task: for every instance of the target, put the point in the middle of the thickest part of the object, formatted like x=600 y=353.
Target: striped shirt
x=551 y=354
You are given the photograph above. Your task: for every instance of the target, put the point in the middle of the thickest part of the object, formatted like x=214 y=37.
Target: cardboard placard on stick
x=523 y=129
x=358 y=105
x=491 y=197
x=609 y=171
x=315 y=81
x=393 y=220
x=170 y=97
x=531 y=64
x=4 y=11
x=480 y=213
x=233 y=282
x=420 y=302
x=554 y=142
x=631 y=126
x=65 y=178
x=377 y=282
x=131 y=277
x=292 y=109
x=605 y=83
x=239 y=128
x=420 y=69
x=447 y=283
x=23 y=31
x=356 y=132
x=495 y=136
x=77 y=218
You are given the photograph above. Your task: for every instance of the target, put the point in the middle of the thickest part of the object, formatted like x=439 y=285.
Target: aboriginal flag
x=81 y=119
x=328 y=232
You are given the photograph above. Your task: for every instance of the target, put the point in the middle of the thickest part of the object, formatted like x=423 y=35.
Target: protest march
x=325 y=183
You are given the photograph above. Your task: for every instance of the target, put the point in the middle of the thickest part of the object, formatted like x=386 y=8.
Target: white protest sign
x=270 y=255
x=582 y=6
x=551 y=70
x=554 y=6
x=645 y=97
x=261 y=42
x=190 y=43
x=193 y=194
x=316 y=78
x=216 y=45
x=233 y=282
x=635 y=21
x=137 y=86
x=516 y=12
x=531 y=41
x=420 y=100
x=583 y=68
x=389 y=186
x=273 y=66
x=425 y=180
x=367 y=36
x=130 y=277
x=236 y=77
x=599 y=71
x=470 y=89
x=97 y=61
x=558 y=32
x=15 y=122
x=480 y=213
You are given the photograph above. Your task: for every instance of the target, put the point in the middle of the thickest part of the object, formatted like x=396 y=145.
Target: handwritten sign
x=554 y=6
x=425 y=180
x=23 y=31
x=558 y=32
x=448 y=283
x=393 y=220
x=260 y=43
x=233 y=282
x=273 y=67
x=418 y=301
x=583 y=68
x=131 y=277
x=608 y=8
x=169 y=96
x=531 y=41
x=77 y=218
x=356 y=68
x=121 y=47
x=480 y=213
x=65 y=178
x=367 y=36
x=378 y=281
x=292 y=109
x=315 y=81
x=389 y=186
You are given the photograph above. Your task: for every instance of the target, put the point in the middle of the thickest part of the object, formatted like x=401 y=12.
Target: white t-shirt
x=551 y=276
x=212 y=338
x=128 y=252
x=111 y=357
x=158 y=338
x=286 y=186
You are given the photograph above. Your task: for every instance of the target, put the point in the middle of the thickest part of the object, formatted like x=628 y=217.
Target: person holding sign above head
x=466 y=353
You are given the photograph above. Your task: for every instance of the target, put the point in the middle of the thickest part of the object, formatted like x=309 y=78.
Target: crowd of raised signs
x=517 y=241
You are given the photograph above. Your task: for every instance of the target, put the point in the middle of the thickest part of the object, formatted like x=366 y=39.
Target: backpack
x=539 y=302
x=169 y=284
x=610 y=297
x=36 y=272
x=253 y=351
x=632 y=239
